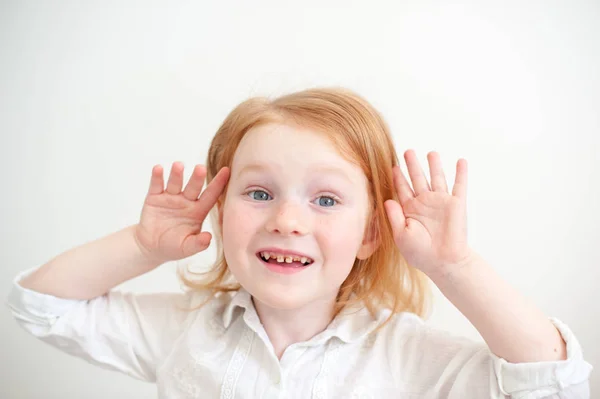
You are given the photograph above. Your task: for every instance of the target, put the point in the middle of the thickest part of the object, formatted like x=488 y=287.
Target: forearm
x=91 y=269
x=512 y=326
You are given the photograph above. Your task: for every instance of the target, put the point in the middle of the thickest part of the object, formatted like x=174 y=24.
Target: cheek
x=343 y=235
x=238 y=221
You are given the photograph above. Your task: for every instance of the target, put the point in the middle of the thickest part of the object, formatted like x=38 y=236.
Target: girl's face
x=293 y=198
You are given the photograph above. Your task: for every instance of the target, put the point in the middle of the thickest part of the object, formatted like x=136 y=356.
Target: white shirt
x=222 y=351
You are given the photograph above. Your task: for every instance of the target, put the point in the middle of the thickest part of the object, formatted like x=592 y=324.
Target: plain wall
x=94 y=93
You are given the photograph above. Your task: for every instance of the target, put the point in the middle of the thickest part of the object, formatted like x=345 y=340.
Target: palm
x=167 y=220
x=429 y=223
x=171 y=221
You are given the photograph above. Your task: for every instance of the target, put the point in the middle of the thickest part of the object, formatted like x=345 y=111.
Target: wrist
x=451 y=273
x=147 y=260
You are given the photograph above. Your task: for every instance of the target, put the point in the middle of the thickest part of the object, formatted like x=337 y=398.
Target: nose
x=288 y=218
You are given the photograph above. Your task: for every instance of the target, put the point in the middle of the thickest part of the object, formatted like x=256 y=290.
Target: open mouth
x=284 y=259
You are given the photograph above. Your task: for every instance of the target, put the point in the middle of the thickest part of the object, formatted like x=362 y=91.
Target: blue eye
x=259 y=195
x=326 y=202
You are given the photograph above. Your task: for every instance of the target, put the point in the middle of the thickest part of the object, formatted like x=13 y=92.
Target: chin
x=280 y=297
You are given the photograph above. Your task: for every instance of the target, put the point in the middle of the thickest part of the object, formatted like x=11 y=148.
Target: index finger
x=215 y=188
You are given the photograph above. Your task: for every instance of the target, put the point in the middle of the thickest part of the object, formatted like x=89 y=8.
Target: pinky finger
x=460 y=181
x=157 y=182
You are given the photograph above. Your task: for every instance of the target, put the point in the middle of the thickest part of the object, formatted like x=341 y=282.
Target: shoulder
x=419 y=354
x=400 y=323
x=164 y=312
x=411 y=335
x=202 y=303
x=207 y=308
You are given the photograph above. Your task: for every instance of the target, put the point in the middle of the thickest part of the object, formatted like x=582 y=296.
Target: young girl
x=324 y=254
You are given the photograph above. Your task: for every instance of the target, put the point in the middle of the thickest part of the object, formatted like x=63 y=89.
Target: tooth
x=279 y=258
x=266 y=255
x=303 y=259
x=288 y=259
x=296 y=258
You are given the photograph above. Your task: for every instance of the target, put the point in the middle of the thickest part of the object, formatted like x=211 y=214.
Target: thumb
x=396 y=217
x=196 y=243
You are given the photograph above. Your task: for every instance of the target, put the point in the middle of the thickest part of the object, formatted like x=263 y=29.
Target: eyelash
x=330 y=196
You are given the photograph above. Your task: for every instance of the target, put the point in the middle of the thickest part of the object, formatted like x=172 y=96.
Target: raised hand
x=430 y=224
x=170 y=226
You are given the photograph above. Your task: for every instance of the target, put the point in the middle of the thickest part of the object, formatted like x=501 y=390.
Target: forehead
x=284 y=136
x=285 y=145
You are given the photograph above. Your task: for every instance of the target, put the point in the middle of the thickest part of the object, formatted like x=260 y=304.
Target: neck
x=285 y=327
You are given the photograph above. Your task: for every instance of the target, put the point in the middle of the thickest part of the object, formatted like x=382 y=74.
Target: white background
x=94 y=93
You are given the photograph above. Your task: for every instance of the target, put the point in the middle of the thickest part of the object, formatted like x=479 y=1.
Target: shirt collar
x=349 y=325
x=239 y=299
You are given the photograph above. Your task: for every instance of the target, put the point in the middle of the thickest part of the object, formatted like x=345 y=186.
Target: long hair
x=383 y=280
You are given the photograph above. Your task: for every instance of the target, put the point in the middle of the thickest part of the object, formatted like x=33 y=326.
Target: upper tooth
x=284 y=258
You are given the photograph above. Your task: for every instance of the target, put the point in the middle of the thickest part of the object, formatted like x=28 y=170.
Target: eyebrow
x=317 y=169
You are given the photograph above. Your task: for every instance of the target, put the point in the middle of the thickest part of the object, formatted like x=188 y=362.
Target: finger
x=396 y=217
x=438 y=179
x=403 y=189
x=417 y=177
x=460 y=181
x=211 y=194
x=195 y=243
x=175 y=178
x=194 y=187
x=157 y=184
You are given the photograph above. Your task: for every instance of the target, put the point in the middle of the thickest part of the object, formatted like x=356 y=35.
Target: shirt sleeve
x=445 y=366
x=126 y=332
